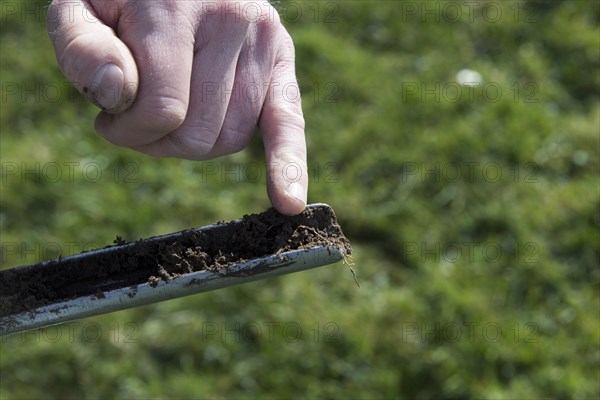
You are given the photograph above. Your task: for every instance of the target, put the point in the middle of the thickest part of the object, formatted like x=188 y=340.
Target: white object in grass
x=468 y=77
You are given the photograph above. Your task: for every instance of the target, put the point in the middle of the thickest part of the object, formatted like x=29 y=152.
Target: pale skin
x=190 y=79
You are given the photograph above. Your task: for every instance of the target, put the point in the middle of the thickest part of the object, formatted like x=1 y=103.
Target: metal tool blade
x=184 y=285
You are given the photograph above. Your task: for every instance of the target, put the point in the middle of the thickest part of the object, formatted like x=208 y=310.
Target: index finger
x=282 y=126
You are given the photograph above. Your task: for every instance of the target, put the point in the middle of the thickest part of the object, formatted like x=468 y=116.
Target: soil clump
x=163 y=258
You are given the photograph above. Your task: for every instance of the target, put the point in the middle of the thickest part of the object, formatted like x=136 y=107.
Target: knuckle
x=165 y=119
x=269 y=16
x=269 y=21
x=234 y=10
x=289 y=114
x=270 y=30
x=69 y=50
x=192 y=145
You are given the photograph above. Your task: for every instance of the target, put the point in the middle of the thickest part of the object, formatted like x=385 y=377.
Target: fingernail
x=296 y=191
x=106 y=87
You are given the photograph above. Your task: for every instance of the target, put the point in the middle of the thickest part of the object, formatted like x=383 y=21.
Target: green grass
x=473 y=285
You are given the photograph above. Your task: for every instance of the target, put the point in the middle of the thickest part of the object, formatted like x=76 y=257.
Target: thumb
x=91 y=56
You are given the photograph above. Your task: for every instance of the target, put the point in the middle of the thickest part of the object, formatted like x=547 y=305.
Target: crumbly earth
x=155 y=259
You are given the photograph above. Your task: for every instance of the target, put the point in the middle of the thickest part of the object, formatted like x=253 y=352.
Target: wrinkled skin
x=189 y=79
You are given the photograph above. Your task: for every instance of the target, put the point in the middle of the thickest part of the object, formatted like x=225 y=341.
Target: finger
x=91 y=56
x=282 y=127
x=249 y=91
x=161 y=38
x=212 y=83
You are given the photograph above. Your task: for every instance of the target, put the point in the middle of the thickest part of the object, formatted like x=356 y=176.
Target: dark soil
x=163 y=258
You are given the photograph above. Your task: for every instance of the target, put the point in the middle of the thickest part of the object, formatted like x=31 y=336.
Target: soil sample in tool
x=158 y=259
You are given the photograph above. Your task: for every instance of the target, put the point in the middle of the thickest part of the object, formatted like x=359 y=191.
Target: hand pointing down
x=189 y=79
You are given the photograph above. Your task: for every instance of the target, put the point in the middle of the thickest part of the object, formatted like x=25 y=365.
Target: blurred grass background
x=482 y=286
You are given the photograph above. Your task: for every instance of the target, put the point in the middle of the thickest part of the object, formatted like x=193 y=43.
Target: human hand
x=189 y=79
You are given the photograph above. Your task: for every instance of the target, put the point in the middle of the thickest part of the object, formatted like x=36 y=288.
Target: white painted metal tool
x=184 y=285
